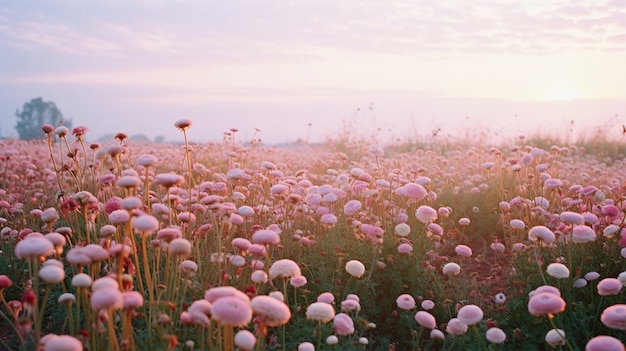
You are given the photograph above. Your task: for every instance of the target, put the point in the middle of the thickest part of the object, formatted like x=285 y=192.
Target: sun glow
x=563 y=94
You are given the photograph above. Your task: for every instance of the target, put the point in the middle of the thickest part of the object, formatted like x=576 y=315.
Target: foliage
x=36 y=113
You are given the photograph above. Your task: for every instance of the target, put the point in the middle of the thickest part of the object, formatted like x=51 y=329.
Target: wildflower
x=545 y=303
x=451 y=268
x=402 y=229
x=352 y=207
x=541 y=233
x=609 y=286
x=463 y=250
x=405 y=302
x=580 y=283
x=179 y=247
x=106 y=298
x=284 y=268
x=604 y=343
x=426 y=214
x=614 y=316
x=183 y=124
x=320 y=311
x=52 y=274
x=355 y=268
x=259 y=277
x=231 y=310
x=436 y=334
x=464 y=221
x=363 y=340
x=425 y=319
x=343 y=324
x=34 y=245
x=500 y=298
x=583 y=234
x=517 y=224
x=555 y=337
x=571 y=217
x=405 y=248
x=470 y=314
x=456 y=327
x=62 y=343
x=332 y=340
x=306 y=346
x=428 y=304
x=558 y=270
x=592 y=276
x=245 y=340
x=495 y=335
x=270 y=311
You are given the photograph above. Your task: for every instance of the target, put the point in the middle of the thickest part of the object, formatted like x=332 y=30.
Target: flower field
x=344 y=246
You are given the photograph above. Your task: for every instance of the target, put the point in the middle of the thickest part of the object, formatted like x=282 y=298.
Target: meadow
x=349 y=245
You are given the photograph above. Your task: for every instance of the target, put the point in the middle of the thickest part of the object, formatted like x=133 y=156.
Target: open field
x=341 y=246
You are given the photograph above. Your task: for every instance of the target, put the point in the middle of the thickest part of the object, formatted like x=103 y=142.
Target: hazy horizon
x=405 y=68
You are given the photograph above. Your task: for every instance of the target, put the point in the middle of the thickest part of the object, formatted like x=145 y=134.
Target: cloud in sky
x=198 y=53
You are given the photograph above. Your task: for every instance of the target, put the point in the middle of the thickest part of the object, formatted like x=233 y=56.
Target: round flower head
x=63 y=343
x=609 y=286
x=343 y=324
x=245 y=340
x=145 y=224
x=582 y=234
x=306 y=346
x=405 y=302
x=332 y=340
x=270 y=311
x=52 y=274
x=500 y=298
x=231 y=310
x=555 y=337
x=545 y=303
x=451 y=268
x=470 y=314
x=413 y=191
x=355 y=268
x=426 y=214
x=547 y=289
x=495 y=335
x=283 y=269
x=132 y=299
x=405 y=248
x=614 y=317
x=320 y=311
x=183 y=124
x=402 y=229
x=107 y=298
x=425 y=319
x=34 y=245
x=604 y=343
x=571 y=217
x=456 y=327
x=326 y=297
x=5 y=282
x=558 y=270
x=463 y=250
x=436 y=334
x=216 y=293
x=179 y=247
x=517 y=224
x=265 y=237
x=541 y=233
x=428 y=305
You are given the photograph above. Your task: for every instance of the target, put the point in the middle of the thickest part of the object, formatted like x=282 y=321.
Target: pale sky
x=406 y=67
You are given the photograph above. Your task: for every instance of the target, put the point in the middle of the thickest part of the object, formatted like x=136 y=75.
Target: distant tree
x=36 y=113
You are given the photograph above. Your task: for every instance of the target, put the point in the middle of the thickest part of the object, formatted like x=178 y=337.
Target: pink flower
x=495 y=335
x=343 y=324
x=351 y=207
x=541 y=233
x=231 y=310
x=545 y=303
x=373 y=232
x=405 y=302
x=326 y=297
x=614 y=316
x=463 y=250
x=604 y=343
x=609 y=286
x=405 y=248
x=470 y=314
x=425 y=319
x=426 y=214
